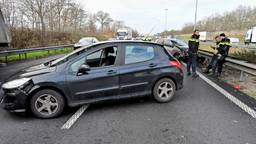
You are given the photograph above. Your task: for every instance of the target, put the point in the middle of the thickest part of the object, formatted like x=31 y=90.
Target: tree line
x=241 y=18
x=49 y=22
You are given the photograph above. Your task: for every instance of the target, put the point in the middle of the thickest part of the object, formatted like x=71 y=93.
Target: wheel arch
x=38 y=88
x=162 y=77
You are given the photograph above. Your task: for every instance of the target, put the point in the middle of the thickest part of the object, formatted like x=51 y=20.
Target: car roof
x=125 y=41
x=105 y=42
x=87 y=38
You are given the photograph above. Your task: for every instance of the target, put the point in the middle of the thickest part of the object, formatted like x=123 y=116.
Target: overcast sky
x=145 y=15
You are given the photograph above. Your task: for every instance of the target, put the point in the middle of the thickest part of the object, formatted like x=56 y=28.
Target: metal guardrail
x=243 y=66
x=7 y=53
x=239 y=45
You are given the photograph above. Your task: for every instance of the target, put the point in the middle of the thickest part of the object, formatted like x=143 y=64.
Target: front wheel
x=164 y=90
x=47 y=104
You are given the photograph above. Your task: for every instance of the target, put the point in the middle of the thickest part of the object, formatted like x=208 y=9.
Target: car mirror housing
x=83 y=69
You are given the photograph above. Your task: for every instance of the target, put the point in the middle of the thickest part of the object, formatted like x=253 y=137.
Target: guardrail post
x=242 y=76
x=6 y=59
x=25 y=55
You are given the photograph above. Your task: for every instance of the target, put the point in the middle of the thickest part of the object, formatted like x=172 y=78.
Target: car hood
x=183 y=48
x=32 y=71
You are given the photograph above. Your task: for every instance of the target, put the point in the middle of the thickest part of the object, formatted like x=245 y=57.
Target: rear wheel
x=47 y=104
x=164 y=90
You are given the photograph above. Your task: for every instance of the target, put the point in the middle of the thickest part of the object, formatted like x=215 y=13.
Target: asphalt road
x=198 y=115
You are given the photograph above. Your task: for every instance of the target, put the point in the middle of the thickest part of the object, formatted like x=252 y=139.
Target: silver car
x=85 y=41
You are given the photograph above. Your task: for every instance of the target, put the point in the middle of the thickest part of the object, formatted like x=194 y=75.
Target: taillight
x=176 y=63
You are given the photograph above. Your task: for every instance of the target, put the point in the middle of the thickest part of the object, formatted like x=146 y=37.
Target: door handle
x=152 y=65
x=111 y=72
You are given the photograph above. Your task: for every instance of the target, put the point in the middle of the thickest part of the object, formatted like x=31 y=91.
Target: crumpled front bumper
x=13 y=100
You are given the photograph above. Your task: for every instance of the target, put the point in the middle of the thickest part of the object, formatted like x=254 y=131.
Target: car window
x=93 y=57
x=69 y=56
x=103 y=57
x=75 y=66
x=138 y=53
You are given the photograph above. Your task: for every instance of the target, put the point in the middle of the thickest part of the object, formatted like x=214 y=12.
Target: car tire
x=47 y=104
x=164 y=90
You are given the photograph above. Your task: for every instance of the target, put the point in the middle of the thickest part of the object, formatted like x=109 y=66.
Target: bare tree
x=59 y=7
x=9 y=9
x=41 y=8
x=104 y=19
x=35 y=22
x=91 y=24
x=241 y=18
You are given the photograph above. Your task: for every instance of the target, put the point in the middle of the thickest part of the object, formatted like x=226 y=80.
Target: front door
x=101 y=82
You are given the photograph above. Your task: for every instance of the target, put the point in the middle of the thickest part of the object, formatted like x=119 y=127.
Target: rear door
x=137 y=69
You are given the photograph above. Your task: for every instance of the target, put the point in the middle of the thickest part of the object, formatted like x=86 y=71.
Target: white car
x=85 y=41
x=234 y=41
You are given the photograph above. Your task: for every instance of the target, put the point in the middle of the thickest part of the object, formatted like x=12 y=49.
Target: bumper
x=14 y=101
x=77 y=47
x=179 y=85
x=179 y=81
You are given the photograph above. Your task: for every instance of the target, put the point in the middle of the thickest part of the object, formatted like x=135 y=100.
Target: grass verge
x=35 y=54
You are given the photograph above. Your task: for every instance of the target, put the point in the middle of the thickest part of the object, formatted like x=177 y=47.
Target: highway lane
x=198 y=115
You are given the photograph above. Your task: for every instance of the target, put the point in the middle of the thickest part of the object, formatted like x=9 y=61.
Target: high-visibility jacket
x=224 y=47
x=216 y=48
x=193 y=44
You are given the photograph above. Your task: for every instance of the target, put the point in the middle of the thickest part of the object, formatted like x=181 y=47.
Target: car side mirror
x=83 y=69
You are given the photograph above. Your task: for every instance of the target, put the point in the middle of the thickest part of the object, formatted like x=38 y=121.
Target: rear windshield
x=166 y=52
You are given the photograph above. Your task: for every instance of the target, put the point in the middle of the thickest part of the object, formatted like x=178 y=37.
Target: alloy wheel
x=46 y=104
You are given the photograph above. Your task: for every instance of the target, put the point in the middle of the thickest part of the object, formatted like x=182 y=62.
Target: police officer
x=224 y=47
x=214 y=60
x=193 y=44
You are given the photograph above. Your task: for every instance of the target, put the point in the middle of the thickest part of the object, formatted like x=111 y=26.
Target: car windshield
x=180 y=42
x=67 y=57
x=121 y=33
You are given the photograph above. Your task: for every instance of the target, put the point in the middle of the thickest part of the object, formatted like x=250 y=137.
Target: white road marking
x=239 y=103
x=232 y=98
x=74 y=117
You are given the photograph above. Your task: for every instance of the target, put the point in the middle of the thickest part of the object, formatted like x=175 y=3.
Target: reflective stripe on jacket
x=193 y=45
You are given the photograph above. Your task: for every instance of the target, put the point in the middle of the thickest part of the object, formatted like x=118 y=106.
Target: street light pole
x=165 y=27
x=195 y=15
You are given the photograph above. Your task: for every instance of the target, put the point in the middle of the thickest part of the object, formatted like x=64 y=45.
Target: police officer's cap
x=223 y=35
